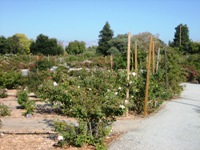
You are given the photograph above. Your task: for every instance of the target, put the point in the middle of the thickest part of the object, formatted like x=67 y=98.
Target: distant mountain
x=88 y=43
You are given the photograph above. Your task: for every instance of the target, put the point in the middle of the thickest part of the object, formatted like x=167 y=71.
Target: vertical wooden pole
x=166 y=76
x=128 y=67
x=37 y=62
x=136 y=61
x=132 y=61
x=158 y=59
x=153 y=58
x=180 y=37
x=105 y=60
x=147 y=80
x=111 y=62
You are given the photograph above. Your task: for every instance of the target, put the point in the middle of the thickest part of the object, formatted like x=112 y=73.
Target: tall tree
x=14 y=44
x=46 y=46
x=4 y=45
x=105 y=36
x=181 y=38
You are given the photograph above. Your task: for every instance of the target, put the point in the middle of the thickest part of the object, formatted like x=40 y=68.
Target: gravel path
x=175 y=127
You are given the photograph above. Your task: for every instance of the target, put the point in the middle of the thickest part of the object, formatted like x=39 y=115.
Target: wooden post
x=180 y=37
x=111 y=61
x=166 y=77
x=128 y=67
x=147 y=80
x=132 y=61
x=37 y=62
x=153 y=58
x=158 y=59
x=136 y=61
x=105 y=59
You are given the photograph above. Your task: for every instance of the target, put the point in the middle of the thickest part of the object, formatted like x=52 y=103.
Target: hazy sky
x=70 y=20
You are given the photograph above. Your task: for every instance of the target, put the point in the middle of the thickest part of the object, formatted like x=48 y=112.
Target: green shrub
x=25 y=103
x=35 y=79
x=4 y=110
x=10 y=79
x=45 y=64
x=72 y=135
x=3 y=93
x=92 y=97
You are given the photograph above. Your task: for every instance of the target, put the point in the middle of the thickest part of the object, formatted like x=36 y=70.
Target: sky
x=69 y=20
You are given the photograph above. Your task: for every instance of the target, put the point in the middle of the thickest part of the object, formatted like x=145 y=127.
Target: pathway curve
x=175 y=127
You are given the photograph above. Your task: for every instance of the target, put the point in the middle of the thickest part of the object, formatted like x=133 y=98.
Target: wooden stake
x=111 y=61
x=166 y=76
x=105 y=60
x=132 y=61
x=158 y=59
x=128 y=67
x=147 y=80
x=136 y=61
x=180 y=37
x=153 y=58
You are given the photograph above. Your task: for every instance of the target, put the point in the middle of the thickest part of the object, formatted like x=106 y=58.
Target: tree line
x=107 y=44
x=20 y=44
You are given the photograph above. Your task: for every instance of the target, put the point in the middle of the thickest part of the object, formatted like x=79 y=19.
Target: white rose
x=121 y=106
x=60 y=138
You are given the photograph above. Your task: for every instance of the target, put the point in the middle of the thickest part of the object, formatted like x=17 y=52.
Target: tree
x=181 y=38
x=118 y=44
x=4 y=45
x=24 y=43
x=46 y=46
x=14 y=45
x=143 y=41
x=194 y=47
x=105 y=36
x=75 y=47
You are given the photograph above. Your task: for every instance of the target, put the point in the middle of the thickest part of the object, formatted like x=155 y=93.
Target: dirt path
x=176 y=126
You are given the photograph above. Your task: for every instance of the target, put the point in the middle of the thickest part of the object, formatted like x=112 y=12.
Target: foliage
x=175 y=71
x=105 y=36
x=23 y=100
x=75 y=47
x=45 y=64
x=92 y=97
x=24 y=43
x=45 y=45
x=120 y=43
x=14 y=45
x=73 y=135
x=92 y=49
x=194 y=47
x=192 y=73
x=183 y=43
x=142 y=40
x=3 y=93
x=10 y=79
x=4 y=45
x=4 y=110
x=192 y=67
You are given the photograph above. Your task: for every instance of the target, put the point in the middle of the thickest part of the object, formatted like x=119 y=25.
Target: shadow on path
x=185 y=103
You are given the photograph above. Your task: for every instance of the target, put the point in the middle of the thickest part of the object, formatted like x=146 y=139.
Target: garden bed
x=36 y=132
